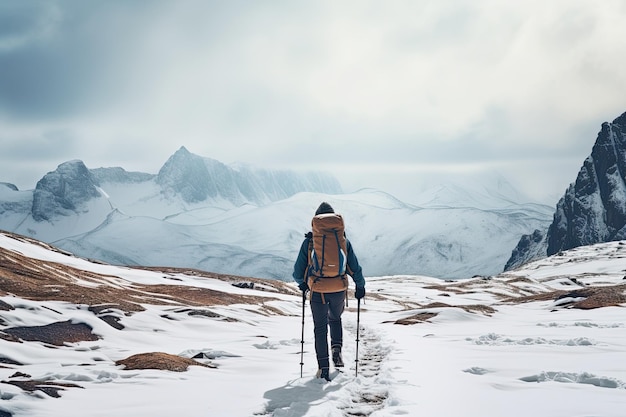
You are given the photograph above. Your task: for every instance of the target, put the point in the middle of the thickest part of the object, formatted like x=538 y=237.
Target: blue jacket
x=299 y=269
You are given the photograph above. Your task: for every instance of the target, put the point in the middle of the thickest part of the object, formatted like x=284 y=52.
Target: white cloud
x=459 y=82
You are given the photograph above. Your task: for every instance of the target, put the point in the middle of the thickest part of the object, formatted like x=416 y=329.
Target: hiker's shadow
x=295 y=398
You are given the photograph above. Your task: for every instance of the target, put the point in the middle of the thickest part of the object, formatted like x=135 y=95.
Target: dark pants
x=327 y=310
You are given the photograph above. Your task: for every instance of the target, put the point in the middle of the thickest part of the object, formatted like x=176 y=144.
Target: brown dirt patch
x=425 y=316
x=524 y=280
x=470 y=308
x=446 y=288
x=597 y=297
x=416 y=318
x=159 y=361
x=593 y=297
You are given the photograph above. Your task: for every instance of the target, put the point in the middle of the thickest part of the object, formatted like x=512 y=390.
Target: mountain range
x=592 y=209
x=199 y=213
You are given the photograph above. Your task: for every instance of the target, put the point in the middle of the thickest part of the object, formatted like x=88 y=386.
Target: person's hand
x=359 y=292
x=304 y=287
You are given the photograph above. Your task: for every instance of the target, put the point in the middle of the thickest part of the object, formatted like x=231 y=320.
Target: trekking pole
x=358 y=326
x=302 y=339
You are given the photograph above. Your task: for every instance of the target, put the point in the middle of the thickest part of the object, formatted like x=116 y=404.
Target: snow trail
x=367 y=394
x=347 y=395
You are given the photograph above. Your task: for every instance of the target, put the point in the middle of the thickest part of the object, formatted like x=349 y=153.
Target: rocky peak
x=63 y=191
x=186 y=174
x=197 y=179
x=593 y=209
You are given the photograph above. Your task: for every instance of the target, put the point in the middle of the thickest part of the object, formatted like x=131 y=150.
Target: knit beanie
x=324 y=208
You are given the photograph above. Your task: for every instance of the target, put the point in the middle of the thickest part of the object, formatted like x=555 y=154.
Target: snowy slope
x=200 y=213
x=389 y=236
x=514 y=345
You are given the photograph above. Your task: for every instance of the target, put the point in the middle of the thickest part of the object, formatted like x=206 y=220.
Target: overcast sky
x=381 y=94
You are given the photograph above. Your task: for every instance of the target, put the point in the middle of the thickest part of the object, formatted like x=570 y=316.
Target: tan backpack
x=328 y=254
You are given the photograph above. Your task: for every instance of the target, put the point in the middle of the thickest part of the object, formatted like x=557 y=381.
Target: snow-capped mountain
x=389 y=236
x=73 y=199
x=199 y=213
x=593 y=209
x=197 y=179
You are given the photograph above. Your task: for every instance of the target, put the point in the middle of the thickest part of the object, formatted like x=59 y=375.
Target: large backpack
x=328 y=254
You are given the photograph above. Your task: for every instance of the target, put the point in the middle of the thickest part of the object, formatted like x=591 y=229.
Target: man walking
x=324 y=261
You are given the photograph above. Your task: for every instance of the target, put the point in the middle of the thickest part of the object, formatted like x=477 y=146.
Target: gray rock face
x=196 y=179
x=529 y=248
x=63 y=191
x=593 y=209
x=119 y=175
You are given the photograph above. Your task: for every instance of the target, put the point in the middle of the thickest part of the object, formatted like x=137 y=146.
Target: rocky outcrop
x=593 y=209
x=63 y=191
x=529 y=248
x=160 y=361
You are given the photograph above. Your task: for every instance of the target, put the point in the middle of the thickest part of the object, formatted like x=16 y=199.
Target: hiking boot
x=337 y=359
x=323 y=373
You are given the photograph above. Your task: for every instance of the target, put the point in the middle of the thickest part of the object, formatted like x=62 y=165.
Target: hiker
x=324 y=260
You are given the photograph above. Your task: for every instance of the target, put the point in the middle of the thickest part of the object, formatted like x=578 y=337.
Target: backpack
x=328 y=254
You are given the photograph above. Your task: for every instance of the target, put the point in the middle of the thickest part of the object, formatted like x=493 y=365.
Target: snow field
x=526 y=359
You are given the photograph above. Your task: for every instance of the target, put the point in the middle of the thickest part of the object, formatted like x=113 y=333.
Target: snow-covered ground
x=490 y=354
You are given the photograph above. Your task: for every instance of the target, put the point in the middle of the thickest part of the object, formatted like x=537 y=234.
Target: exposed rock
x=593 y=209
x=160 y=361
x=120 y=175
x=55 y=333
x=20 y=375
x=416 y=318
x=597 y=297
x=186 y=174
x=49 y=388
x=63 y=191
x=9 y=361
x=427 y=315
x=583 y=298
x=529 y=248
x=102 y=312
x=197 y=179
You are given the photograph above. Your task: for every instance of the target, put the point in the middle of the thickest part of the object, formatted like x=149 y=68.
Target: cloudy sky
x=383 y=94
